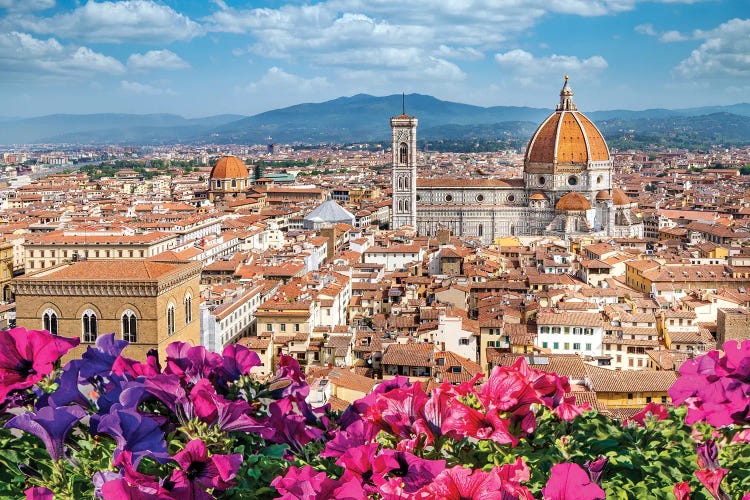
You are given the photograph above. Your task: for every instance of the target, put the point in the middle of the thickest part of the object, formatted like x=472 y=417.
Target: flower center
x=26 y=367
x=196 y=469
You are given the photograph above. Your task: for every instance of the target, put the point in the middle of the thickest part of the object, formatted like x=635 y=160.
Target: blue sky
x=198 y=58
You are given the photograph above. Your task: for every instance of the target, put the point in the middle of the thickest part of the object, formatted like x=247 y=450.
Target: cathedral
x=566 y=190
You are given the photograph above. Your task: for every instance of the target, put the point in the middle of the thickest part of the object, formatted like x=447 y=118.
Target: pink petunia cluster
x=715 y=387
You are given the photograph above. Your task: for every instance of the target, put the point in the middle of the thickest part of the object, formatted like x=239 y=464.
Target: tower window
x=403 y=153
x=599 y=179
x=170 y=319
x=188 y=309
x=234 y=183
x=89 y=326
x=541 y=181
x=480 y=230
x=572 y=180
x=49 y=321
x=129 y=327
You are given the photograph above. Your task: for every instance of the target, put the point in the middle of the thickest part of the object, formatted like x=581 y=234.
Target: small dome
x=229 y=167
x=603 y=195
x=573 y=202
x=620 y=198
x=538 y=196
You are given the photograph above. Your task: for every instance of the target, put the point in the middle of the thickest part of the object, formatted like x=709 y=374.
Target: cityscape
x=419 y=290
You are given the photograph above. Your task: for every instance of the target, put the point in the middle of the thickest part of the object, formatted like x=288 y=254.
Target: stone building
x=148 y=303
x=732 y=324
x=228 y=179
x=566 y=189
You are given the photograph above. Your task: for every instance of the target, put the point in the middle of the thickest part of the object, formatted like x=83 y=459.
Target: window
x=234 y=183
x=630 y=396
x=630 y=362
x=463 y=341
x=170 y=319
x=544 y=329
x=566 y=346
x=576 y=331
x=664 y=400
x=269 y=327
x=49 y=321
x=296 y=326
x=572 y=180
x=588 y=347
x=544 y=345
x=555 y=345
x=555 y=329
x=566 y=329
x=89 y=326
x=129 y=327
x=283 y=327
x=403 y=153
x=576 y=346
x=188 y=309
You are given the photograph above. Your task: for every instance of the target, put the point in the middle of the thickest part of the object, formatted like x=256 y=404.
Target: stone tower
x=404 y=172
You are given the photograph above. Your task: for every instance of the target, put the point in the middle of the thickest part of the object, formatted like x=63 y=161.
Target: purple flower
x=191 y=363
x=101 y=477
x=237 y=360
x=286 y=426
x=708 y=455
x=596 y=468
x=39 y=493
x=198 y=471
x=51 y=425
x=121 y=489
x=134 y=369
x=224 y=414
x=399 y=472
x=99 y=359
x=133 y=432
x=167 y=389
x=569 y=482
x=68 y=388
x=357 y=434
x=26 y=357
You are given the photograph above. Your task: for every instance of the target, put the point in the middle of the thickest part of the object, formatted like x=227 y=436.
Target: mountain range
x=364 y=118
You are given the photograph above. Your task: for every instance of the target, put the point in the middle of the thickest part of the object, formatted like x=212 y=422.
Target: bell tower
x=404 y=171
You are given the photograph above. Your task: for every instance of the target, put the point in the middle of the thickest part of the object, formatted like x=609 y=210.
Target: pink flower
x=459 y=483
x=467 y=421
x=654 y=409
x=399 y=473
x=569 y=481
x=358 y=465
x=26 y=357
x=400 y=413
x=308 y=484
x=711 y=479
x=198 y=471
x=682 y=491
x=568 y=409
x=507 y=389
x=39 y=493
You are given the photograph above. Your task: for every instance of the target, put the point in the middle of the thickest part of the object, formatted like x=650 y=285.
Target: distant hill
x=364 y=118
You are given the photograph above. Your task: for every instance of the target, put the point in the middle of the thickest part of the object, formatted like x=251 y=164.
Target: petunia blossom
x=216 y=410
x=237 y=360
x=39 y=493
x=306 y=483
x=51 y=425
x=712 y=479
x=400 y=473
x=133 y=432
x=682 y=491
x=568 y=481
x=26 y=357
x=655 y=410
x=200 y=471
x=460 y=483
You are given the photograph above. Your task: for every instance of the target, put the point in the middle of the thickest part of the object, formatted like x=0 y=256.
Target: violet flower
x=133 y=432
x=135 y=369
x=98 y=360
x=596 y=468
x=237 y=360
x=51 y=425
x=310 y=484
x=400 y=473
x=39 y=493
x=191 y=363
x=224 y=414
x=708 y=455
x=198 y=471
x=26 y=357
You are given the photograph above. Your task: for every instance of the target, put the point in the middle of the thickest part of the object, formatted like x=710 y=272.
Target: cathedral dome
x=619 y=198
x=538 y=196
x=229 y=167
x=573 y=202
x=567 y=136
x=603 y=195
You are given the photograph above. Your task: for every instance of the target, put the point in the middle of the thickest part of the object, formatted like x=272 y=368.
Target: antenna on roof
x=403 y=103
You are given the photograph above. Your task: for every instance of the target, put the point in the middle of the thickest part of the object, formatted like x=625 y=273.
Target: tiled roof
x=413 y=354
x=604 y=380
x=110 y=270
x=569 y=319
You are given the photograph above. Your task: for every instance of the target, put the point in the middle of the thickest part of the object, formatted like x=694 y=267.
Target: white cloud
x=465 y=53
x=278 y=80
x=116 y=22
x=525 y=63
x=156 y=59
x=144 y=88
x=19 y=5
x=673 y=36
x=725 y=52
x=22 y=54
x=646 y=29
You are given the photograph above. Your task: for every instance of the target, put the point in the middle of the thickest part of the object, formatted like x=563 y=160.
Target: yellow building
x=629 y=388
x=6 y=269
x=148 y=303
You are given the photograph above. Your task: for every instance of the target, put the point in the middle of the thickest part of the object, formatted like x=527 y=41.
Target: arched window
x=480 y=230
x=170 y=319
x=403 y=153
x=129 y=327
x=89 y=326
x=188 y=309
x=218 y=183
x=400 y=183
x=234 y=183
x=49 y=321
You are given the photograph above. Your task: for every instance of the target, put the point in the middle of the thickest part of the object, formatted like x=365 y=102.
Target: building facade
x=566 y=190
x=150 y=304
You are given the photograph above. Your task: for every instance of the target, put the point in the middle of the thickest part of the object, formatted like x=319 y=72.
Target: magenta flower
x=708 y=455
x=26 y=357
x=121 y=489
x=287 y=426
x=712 y=479
x=198 y=471
x=308 y=484
x=357 y=434
x=568 y=410
x=569 y=481
x=400 y=413
x=399 y=473
x=191 y=363
x=39 y=493
x=596 y=468
x=134 y=369
x=238 y=360
x=682 y=491
x=358 y=464
x=507 y=389
x=459 y=483
x=51 y=425
x=470 y=422
x=655 y=410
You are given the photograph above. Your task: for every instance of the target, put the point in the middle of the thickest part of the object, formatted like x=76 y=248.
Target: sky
x=200 y=58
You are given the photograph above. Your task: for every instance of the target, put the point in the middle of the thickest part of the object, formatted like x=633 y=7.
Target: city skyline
x=202 y=58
